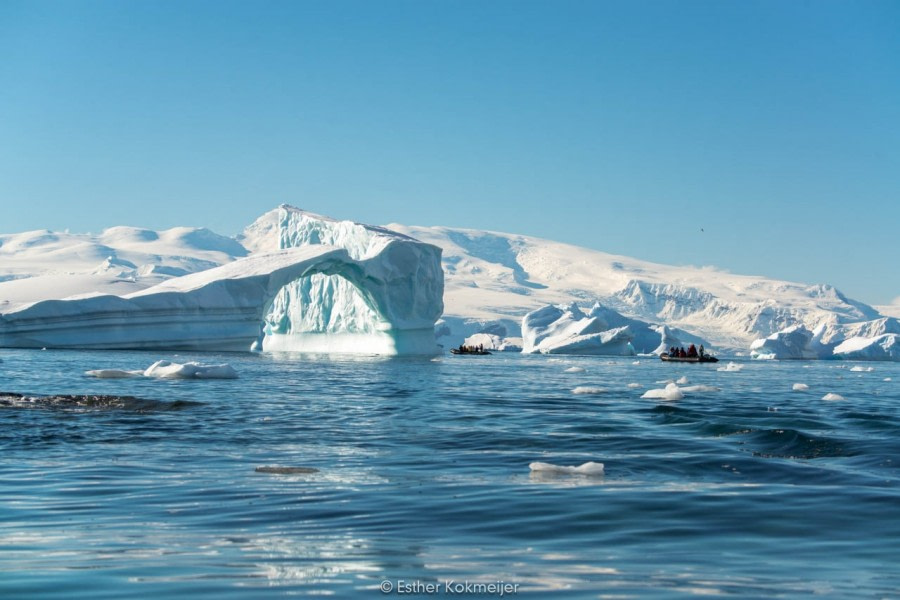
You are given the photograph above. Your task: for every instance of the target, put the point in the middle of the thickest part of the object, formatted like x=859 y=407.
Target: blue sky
x=622 y=126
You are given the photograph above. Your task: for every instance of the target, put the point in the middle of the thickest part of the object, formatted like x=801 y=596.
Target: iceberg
x=878 y=339
x=882 y=347
x=795 y=342
x=323 y=286
x=566 y=329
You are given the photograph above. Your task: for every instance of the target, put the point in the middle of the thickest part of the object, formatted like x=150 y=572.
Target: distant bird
x=701 y=229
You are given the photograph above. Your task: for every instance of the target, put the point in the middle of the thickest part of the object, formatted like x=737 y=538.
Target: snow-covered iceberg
x=795 y=342
x=566 y=329
x=882 y=347
x=878 y=339
x=325 y=285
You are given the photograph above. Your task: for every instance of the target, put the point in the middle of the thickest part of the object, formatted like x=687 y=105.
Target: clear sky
x=622 y=126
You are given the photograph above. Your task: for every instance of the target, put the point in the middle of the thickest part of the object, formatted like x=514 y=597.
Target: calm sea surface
x=423 y=482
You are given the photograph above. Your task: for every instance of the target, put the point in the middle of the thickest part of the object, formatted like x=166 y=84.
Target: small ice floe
x=574 y=370
x=800 y=387
x=832 y=397
x=700 y=388
x=113 y=373
x=163 y=369
x=683 y=380
x=670 y=392
x=887 y=378
x=858 y=369
x=634 y=386
x=637 y=362
x=587 y=389
x=169 y=370
x=731 y=367
x=276 y=470
x=588 y=468
x=665 y=381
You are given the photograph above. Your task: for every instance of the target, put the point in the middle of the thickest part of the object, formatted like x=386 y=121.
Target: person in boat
x=701 y=350
x=682 y=353
x=692 y=351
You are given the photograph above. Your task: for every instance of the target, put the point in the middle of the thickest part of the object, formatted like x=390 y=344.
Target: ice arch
x=224 y=308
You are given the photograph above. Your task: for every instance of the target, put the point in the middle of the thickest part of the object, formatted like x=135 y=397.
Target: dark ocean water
x=136 y=488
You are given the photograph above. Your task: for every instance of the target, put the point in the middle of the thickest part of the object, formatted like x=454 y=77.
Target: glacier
x=325 y=286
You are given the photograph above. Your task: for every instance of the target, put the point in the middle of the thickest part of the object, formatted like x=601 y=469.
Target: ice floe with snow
x=586 y=389
x=700 y=388
x=164 y=369
x=731 y=367
x=588 y=468
x=670 y=392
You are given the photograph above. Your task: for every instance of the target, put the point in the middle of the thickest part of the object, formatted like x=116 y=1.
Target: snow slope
x=41 y=265
x=492 y=279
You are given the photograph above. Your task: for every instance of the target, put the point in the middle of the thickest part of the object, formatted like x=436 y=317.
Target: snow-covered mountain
x=491 y=280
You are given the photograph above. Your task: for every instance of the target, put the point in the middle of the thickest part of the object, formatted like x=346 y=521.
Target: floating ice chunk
x=279 y=470
x=800 y=387
x=670 y=392
x=588 y=468
x=683 y=380
x=634 y=386
x=862 y=369
x=831 y=397
x=574 y=370
x=637 y=362
x=112 y=373
x=168 y=370
x=731 y=367
x=665 y=381
x=585 y=389
x=701 y=388
x=887 y=378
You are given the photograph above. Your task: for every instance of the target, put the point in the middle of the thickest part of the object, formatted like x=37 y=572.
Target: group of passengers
x=691 y=352
x=471 y=349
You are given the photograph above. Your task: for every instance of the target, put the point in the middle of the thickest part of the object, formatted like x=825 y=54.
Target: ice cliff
x=312 y=284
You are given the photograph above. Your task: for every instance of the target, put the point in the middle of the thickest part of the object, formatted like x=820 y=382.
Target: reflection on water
x=317 y=475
